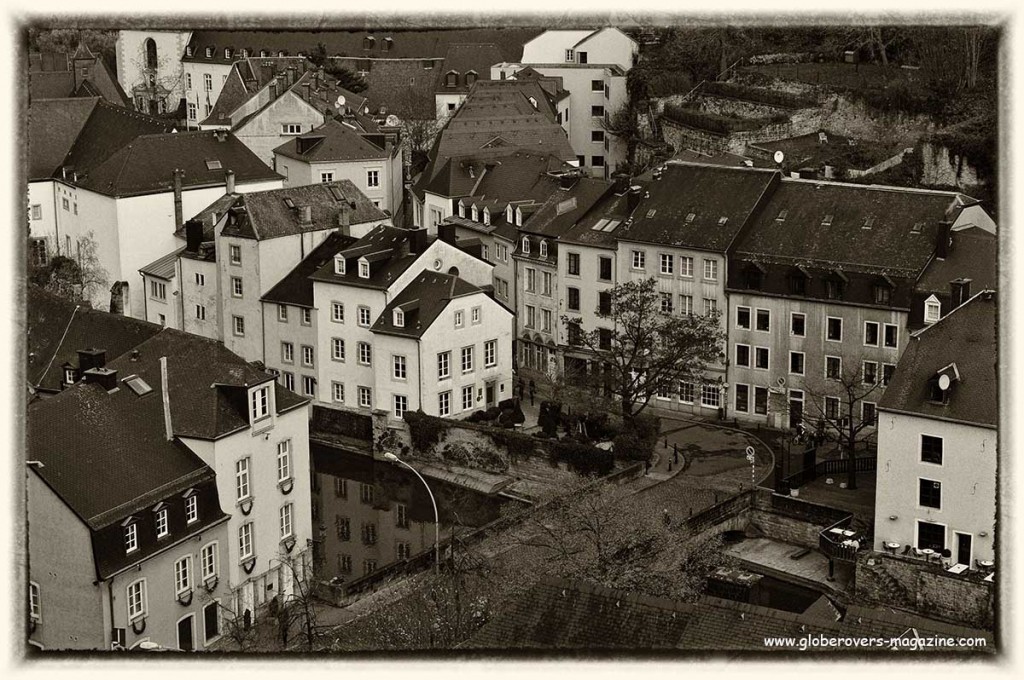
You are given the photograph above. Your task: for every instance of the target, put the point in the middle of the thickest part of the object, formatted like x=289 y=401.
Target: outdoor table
x=927 y=554
x=891 y=547
x=986 y=564
x=957 y=569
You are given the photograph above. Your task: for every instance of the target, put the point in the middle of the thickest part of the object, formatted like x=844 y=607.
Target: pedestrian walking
x=533 y=390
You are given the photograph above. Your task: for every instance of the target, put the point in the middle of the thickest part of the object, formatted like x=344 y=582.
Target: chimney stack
x=229 y=182
x=633 y=199
x=176 y=179
x=104 y=377
x=446 y=232
x=344 y=218
x=567 y=180
x=418 y=240
x=193 y=235
x=90 y=358
x=959 y=292
x=306 y=215
x=291 y=75
x=273 y=89
x=942 y=244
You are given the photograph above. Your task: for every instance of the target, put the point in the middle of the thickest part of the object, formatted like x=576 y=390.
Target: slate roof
x=163 y=267
x=53 y=126
x=340 y=142
x=405 y=44
x=216 y=209
x=463 y=58
x=146 y=164
x=718 y=624
x=513 y=175
x=611 y=207
x=706 y=191
x=559 y=614
x=390 y=247
x=860 y=621
x=296 y=288
x=974 y=256
x=967 y=337
x=120 y=450
x=402 y=86
x=422 y=300
x=264 y=215
x=56 y=331
x=565 y=207
x=53 y=75
x=889 y=246
x=247 y=77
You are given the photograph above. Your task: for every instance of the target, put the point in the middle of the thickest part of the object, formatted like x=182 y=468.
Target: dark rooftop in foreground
x=422 y=301
x=296 y=288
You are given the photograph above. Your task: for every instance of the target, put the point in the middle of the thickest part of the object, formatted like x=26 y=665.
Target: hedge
x=425 y=431
x=721 y=125
x=583 y=458
x=759 y=95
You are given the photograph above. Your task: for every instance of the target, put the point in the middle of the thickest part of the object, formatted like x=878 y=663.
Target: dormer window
x=882 y=294
x=264 y=53
x=470 y=78
x=869 y=222
x=339 y=264
x=399 y=319
x=368 y=42
x=487 y=216
x=386 y=45
x=462 y=209
x=509 y=214
x=543 y=248
x=189 y=51
x=451 y=79
x=476 y=214
x=209 y=53
x=519 y=217
x=364 y=269
x=526 y=245
x=932 y=310
x=227 y=52
x=245 y=53
x=752 y=277
x=690 y=217
x=131 y=535
x=69 y=376
x=162 y=529
x=259 y=404
x=798 y=283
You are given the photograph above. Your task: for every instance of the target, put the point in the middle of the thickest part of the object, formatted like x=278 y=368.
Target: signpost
x=752 y=459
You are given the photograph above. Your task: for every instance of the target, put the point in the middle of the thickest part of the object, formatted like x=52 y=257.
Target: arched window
x=543 y=248
x=451 y=79
x=150 y=54
x=526 y=244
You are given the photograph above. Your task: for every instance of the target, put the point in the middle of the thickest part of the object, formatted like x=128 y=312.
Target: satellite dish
x=944 y=382
x=366 y=110
x=781 y=382
x=339 y=103
x=779 y=157
x=392 y=121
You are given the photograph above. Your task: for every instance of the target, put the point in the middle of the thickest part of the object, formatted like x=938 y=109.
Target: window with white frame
x=238 y=325
x=869 y=413
x=666 y=303
x=326 y=177
x=289 y=380
x=282 y=313
x=796 y=363
x=687 y=392
x=339 y=264
x=131 y=537
x=833 y=367
x=207 y=82
x=870 y=372
x=161 y=523
x=236 y=287
x=710 y=306
x=932 y=310
x=467 y=359
x=306 y=316
x=365 y=353
x=193 y=111
x=398 y=318
x=526 y=245
x=157 y=290
x=401 y=405
x=183 y=575
x=308 y=385
x=545 y=320
x=444 y=403
x=891 y=335
x=35 y=610
x=338 y=392
x=467 y=397
x=200 y=279
x=543 y=248
x=742 y=398
x=372 y=179
x=742 y=355
x=235 y=254
x=286 y=521
x=338 y=312
x=245 y=545
x=242 y=479
x=364 y=316
x=490 y=353
x=291 y=128
x=365 y=397
x=399 y=367
x=710 y=396
x=871 y=333
x=743 y=317
x=686 y=266
x=474 y=315
x=638 y=259
x=761 y=358
x=459 y=318
x=287 y=352
x=686 y=304
x=284 y=460
x=191 y=509
x=136 y=600
x=208 y=561
x=763 y=320
x=307 y=355
x=711 y=270
x=667 y=263
x=337 y=349
x=188 y=80
x=364 y=269
x=797 y=324
x=444 y=360
x=531 y=280
x=259 y=404
x=833 y=329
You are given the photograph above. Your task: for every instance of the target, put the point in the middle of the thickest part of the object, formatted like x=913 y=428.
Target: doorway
x=964 y=545
x=186 y=634
x=796 y=408
x=490 y=396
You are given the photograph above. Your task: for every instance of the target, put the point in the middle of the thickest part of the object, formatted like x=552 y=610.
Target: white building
x=149 y=68
x=938 y=440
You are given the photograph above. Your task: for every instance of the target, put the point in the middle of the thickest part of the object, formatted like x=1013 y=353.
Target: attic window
x=189 y=51
x=508 y=214
x=526 y=244
x=213 y=165
x=917 y=228
x=565 y=206
x=932 y=310
x=428 y=64
x=137 y=385
x=264 y=53
x=399 y=318
x=722 y=220
x=245 y=53
x=487 y=216
x=690 y=217
x=339 y=264
x=209 y=52
x=289 y=203
x=782 y=216
x=386 y=45
x=364 y=269
x=651 y=212
x=543 y=248
x=227 y=52
x=451 y=79
x=869 y=221
x=476 y=214
x=368 y=42
x=471 y=78
x=827 y=220
x=519 y=217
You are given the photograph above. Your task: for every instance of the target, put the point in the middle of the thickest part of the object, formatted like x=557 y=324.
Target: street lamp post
x=437 y=520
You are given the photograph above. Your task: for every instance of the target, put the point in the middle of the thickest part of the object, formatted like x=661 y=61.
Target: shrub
x=425 y=431
x=549 y=416
x=583 y=458
x=759 y=95
x=631 y=447
x=517 y=444
x=714 y=123
x=644 y=426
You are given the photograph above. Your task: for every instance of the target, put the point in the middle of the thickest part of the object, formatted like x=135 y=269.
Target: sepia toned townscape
x=510 y=337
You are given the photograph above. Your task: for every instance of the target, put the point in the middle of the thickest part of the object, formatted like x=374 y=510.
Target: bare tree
x=299 y=608
x=76 y=275
x=239 y=629
x=834 y=405
x=648 y=351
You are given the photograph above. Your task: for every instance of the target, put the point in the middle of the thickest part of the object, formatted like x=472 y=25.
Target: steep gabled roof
x=422 y=301
x=565 y=207
x=389 y=248
x=266 y=214
x=463 y=58
x=53 y=127
x=109 y=130
x=147 y=163
x=965 y=337
x=163 y=267
x=402 y=86
x=973 y=255
x=296 y=288
x=709 y=194
x=56 y=331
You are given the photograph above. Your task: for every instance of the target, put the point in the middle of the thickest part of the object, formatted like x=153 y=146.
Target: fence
x=834 y=466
